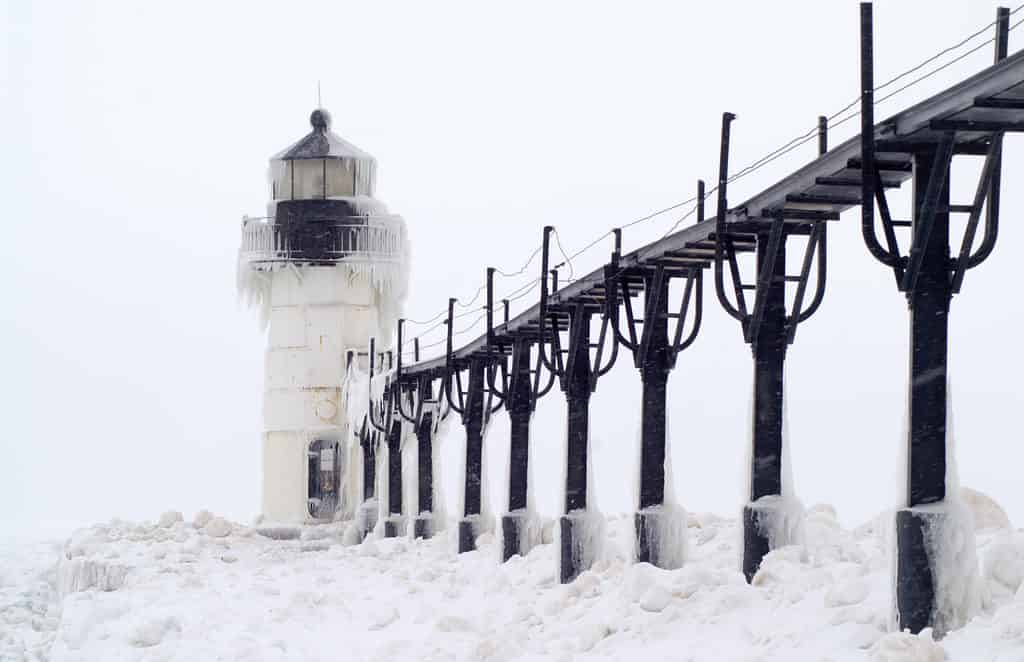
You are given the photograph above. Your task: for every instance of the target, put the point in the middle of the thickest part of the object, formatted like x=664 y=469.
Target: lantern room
x=321 y=166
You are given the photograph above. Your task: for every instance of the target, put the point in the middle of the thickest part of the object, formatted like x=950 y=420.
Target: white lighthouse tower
x=328 y=268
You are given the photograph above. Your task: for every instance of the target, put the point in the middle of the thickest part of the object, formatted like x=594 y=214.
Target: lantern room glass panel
x=341 y=178
x=281 y=180
x=308 y=182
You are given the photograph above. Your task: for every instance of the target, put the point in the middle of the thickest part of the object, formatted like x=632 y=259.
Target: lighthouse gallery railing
x=377 y=238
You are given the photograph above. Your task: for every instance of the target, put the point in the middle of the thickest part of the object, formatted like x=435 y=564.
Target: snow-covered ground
x=214 y=590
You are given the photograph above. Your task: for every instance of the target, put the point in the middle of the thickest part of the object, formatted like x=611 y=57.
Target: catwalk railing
x=573 y=335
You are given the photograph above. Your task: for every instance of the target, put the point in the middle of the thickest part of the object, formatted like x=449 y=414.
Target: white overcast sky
x=138 y=134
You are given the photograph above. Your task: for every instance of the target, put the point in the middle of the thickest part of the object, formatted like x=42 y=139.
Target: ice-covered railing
x=371 y=238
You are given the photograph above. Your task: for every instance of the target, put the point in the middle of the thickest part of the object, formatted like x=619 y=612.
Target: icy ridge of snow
x=193 y=596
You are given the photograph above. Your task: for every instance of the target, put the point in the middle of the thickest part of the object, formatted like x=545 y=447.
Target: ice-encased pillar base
x=755 y=541
x=423 y=526
x=394 y=526
x=515 y=537
x=915 y=583
x=469 y=528
x=576 y=552
x=656 y=530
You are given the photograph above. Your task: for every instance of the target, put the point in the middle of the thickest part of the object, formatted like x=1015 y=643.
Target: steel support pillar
x=473 y=419
x=926 y=452
x=654 y=379
x=368 y=509
x=520 y=410
x=423 y=522
x=574 y=556
x=769 y=348
x=393 y=525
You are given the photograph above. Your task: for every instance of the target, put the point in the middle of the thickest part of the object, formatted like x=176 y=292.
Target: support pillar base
x=755 y=542
x=578 y=533
x=468 y=528
x=915 y=584
x=394 y=526
x=660 y=536
x=515 y=535
x=768 y=523
x=423 y=526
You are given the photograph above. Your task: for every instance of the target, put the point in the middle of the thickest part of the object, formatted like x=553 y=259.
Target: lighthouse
x=327 y=268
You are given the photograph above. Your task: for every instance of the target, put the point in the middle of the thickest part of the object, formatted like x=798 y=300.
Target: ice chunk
x=905 y=647
x=987 y=513
x=218 y=527
x=169 y=519
x=656 y=598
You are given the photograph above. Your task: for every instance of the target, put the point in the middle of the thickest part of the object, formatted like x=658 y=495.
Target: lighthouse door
x=323 y=491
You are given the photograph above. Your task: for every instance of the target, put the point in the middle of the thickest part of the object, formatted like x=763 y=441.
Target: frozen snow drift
x=215 y=590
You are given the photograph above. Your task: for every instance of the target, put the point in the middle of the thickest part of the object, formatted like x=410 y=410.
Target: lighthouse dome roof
x=321 y=143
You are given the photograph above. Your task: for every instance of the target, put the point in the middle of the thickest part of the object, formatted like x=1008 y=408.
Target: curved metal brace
x=609 y=317
x=558 y=369
x=867 y=230
x=441 y=416
x=417 y=412
x=819 y=290
x=698 y=314
x=599 y=370
x=385 y=419
x=722 y=253
x=992 y=166
x=493 y=368
x=446 y=386
x=631 y=344
x=549 y=363
x=538 y=392
x=491 y=393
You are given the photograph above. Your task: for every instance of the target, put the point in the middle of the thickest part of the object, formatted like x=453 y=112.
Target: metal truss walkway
x=519 y=360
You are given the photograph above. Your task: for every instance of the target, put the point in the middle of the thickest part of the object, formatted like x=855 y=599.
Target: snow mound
x=169 y=519
x=905 y=647
x=187 y=595
x=986 y=512
x=218 y=527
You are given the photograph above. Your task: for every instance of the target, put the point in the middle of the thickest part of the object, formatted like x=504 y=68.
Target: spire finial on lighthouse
x=320 y=119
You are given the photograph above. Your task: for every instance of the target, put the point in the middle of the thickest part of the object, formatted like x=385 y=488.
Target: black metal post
x=473 y=419
x=654 y=378
x=423 y=524
x=393 y=524
x=369 y=468
x=926 y=456
x=520 y=408
x=769 y=348
x=368 y=510
x=577 y=394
